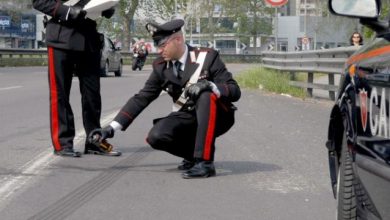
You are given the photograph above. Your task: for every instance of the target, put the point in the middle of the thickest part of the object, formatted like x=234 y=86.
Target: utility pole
x=191 y=21
x=276 y=28
x=175 y=8
x=305 y=20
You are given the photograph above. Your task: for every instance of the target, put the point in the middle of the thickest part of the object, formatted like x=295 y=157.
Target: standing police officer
x=74 y=46
x=206 y=111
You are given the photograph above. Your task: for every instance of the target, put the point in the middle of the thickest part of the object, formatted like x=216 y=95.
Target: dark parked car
x=359 y=128
x=111 y=59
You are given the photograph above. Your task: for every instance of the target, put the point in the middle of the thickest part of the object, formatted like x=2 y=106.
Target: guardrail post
x=310 y=80
x=332 y=94
x=292 y=76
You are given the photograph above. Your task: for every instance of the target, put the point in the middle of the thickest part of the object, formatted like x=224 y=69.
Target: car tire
x=120 y=70
x=104 y=70
x=346 y=197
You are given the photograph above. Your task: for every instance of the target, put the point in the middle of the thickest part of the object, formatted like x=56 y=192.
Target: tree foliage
x=252 y=17
x=368 y=33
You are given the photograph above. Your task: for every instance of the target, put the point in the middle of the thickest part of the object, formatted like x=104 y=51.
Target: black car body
x=111 y=60
x=359 y=128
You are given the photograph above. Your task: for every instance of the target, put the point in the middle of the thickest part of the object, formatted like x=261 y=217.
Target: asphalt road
x=271 y=165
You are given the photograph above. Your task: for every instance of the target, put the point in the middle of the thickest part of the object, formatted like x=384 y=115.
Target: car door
x=114 y=55
x=372 y=149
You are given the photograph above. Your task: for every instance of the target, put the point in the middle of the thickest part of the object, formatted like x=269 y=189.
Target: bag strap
x=194 y=78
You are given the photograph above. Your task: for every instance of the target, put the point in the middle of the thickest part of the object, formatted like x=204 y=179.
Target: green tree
x=367 y=32
x=252 y=17
x=16 y=5
x=126 y=13
x=147 y=10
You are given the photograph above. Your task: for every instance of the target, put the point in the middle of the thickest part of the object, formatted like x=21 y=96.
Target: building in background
x=17 y=30
x=302 y=26
x=18 y=24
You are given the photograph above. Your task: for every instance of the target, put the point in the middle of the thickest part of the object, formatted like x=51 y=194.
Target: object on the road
x=100 y=146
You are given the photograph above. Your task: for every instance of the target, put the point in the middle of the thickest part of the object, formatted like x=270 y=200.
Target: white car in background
x=111 y=60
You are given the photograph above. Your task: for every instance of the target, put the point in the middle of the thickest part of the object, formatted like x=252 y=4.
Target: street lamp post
x=305 y=20
x=276 y=28
x=175 y=8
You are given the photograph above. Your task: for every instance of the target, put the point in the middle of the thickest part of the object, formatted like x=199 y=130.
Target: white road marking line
x=12 y=183
x=11 y=87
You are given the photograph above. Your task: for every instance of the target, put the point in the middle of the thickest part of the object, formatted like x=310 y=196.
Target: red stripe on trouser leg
x=211 y=127
x=53 y=101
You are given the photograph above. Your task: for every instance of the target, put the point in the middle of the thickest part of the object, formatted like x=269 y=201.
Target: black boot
x=104 y=149
x=201 y=169
x=67 y=152
x=186 y=165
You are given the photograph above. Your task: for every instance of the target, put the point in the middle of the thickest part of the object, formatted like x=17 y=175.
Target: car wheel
x=120 y=69
x=104 y=71
x=346 y=197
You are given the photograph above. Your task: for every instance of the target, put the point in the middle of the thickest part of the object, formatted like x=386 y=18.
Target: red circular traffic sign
x=276 y=3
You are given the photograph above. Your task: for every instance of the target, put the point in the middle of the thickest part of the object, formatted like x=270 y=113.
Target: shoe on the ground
x=67 y=152
x=202 y=169
x=186 y=165
x=104 y=148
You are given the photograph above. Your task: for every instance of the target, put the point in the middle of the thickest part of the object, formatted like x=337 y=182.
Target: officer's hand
x=193 y=91
x=100 y=134
x=109 y=12
x=76 y=13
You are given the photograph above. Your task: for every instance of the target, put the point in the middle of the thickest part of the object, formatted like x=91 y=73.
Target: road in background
x=271 y=165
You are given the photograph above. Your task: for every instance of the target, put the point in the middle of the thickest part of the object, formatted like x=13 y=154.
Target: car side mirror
x=367 y=10
x=355 y=8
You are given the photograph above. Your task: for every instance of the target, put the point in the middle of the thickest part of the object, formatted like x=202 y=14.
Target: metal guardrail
x=227 y=58
x=23 y=57
x=328 y=61
x=38 y=57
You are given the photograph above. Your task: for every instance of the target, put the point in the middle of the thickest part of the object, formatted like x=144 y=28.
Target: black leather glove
x=100 y=134
x=193 y=91
x=109 y=12
x=76 y=13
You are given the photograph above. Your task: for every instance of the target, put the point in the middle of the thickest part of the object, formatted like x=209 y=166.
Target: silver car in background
x=111 y=60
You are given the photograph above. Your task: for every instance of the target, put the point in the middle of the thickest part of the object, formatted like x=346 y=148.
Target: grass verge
x=270 y=80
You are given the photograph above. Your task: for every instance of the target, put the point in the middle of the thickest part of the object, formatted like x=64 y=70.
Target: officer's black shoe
x=101 y=150
x=186 y=165
x=67 y=152
x=202 y=169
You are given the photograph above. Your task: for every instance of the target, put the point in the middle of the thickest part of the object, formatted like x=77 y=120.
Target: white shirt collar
x=183 y=58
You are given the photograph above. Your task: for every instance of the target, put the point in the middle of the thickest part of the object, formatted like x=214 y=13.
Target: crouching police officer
x=74 y=46
x=202 y=91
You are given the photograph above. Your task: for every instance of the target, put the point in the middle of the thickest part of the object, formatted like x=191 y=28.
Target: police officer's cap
x=160 y=32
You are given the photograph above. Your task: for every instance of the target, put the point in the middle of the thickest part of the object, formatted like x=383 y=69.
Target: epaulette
x=195 y=52
x=203 y=49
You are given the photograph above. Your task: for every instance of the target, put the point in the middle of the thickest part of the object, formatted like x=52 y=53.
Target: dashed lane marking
x=11 y=87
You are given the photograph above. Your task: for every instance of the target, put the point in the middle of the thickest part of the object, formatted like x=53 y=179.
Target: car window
x=111 y=44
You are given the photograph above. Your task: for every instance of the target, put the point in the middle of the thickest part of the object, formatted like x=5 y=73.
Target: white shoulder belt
x=194 y=78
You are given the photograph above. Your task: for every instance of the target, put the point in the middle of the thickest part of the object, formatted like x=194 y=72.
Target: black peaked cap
x=161 y=31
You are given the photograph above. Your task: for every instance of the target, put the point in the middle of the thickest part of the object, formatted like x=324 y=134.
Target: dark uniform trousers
x=62 y=65
x=74 y=46
x=191 y=134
